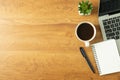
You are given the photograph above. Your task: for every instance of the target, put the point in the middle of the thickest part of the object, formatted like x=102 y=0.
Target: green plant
x=85 y=7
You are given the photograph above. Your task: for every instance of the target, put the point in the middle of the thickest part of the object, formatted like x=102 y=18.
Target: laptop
x=109 y=20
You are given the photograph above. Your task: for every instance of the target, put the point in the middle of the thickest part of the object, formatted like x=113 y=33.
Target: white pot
x=83 y=14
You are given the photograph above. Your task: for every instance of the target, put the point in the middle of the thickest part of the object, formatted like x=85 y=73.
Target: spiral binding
x=96 y=59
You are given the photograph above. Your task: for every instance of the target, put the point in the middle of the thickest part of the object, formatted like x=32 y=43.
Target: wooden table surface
x=37 y=41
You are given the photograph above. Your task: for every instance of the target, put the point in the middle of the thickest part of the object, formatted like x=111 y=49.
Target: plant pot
x=82 y=14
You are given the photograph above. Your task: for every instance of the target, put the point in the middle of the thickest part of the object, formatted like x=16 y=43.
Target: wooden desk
x=37 y=41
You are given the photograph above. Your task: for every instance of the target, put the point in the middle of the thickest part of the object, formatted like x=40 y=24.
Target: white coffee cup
x=85 y=32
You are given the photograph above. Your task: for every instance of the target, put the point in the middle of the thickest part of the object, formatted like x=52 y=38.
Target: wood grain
x=37 y=41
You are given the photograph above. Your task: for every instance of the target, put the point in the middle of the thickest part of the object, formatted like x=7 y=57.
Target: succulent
x=85 y=7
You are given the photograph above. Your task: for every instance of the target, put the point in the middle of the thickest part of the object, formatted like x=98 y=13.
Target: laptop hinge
x=114 y=12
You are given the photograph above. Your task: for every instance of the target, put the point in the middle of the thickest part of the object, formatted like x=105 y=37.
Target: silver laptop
x=109 y=20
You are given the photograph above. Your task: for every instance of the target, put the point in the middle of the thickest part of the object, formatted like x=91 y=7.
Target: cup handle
x=87 y=43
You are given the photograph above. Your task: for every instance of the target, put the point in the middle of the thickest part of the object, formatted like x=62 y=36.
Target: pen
x=87 y=59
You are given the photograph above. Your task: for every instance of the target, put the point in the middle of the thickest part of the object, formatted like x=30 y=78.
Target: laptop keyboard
x=112 y=27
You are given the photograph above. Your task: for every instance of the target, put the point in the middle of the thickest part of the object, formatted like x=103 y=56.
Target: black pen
x=87 y=59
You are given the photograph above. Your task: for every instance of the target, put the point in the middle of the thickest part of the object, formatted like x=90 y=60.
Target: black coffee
x=85 y=31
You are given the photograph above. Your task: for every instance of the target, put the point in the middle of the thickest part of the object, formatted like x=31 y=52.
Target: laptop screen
x=105 y=0
x=108 y=6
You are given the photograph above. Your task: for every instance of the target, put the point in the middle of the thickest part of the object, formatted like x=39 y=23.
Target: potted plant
x=85 y=8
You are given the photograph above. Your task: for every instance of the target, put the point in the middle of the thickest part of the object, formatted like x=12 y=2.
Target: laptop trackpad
x=118 y=45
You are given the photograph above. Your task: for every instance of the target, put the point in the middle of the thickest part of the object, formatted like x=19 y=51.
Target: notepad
x=107 y=57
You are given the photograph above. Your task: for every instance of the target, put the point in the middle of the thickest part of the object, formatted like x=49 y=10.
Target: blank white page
x=108 y=59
